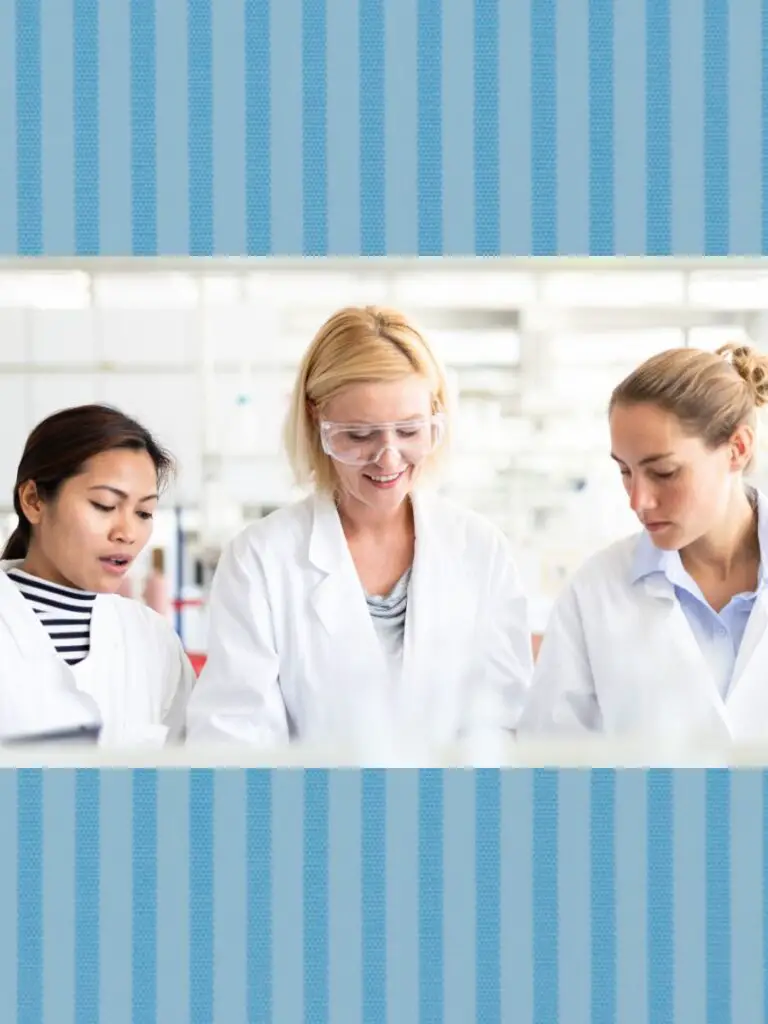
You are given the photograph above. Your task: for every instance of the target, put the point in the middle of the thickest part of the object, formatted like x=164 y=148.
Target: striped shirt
x=65 y=614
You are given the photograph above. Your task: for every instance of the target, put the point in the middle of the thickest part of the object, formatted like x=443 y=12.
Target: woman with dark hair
x=72 y=653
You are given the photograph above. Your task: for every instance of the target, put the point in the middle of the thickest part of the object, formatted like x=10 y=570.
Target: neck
x=358 y=519
x=731 y=544
x=38 y=566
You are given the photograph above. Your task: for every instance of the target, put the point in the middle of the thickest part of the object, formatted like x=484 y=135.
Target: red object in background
x=198 y=660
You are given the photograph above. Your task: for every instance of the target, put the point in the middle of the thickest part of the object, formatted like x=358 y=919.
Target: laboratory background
x=204 y=352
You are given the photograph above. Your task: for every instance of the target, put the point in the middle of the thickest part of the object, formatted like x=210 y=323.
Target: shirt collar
x=649 y=559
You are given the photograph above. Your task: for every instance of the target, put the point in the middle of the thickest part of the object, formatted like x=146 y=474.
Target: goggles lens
x=360 y=444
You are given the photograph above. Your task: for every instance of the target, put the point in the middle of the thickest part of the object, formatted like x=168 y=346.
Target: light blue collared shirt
x=718 y=634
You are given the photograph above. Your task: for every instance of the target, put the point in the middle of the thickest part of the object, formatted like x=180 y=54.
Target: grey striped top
x=388 y=615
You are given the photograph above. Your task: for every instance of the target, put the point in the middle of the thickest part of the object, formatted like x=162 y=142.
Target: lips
x=116 y=563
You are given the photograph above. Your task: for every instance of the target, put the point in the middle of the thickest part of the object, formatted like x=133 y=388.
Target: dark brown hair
x=58 y=448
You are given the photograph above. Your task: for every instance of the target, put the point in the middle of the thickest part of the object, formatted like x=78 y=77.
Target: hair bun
x=751 y=365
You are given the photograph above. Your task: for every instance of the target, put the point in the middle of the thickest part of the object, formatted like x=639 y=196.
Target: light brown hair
x=710 y=393
x=366 y=344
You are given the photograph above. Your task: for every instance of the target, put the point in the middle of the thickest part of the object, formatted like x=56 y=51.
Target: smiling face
x=679 y=488
x=382 y=484
x=89 y=534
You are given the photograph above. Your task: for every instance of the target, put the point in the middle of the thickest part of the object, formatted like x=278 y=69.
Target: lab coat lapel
x=25 y=628
x=747 y=699
x=688 y=686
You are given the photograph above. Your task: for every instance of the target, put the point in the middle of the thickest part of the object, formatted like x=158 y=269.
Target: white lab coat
x=621 y=658
x=134 y=682
x=293 y=652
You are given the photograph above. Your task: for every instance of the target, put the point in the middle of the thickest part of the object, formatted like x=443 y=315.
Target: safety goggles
x=360 y=444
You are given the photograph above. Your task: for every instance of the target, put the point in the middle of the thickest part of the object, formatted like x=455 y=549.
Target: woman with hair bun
x=665 y=633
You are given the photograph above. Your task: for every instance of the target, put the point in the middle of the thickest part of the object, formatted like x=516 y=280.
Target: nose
x=389 y=460
x=124 y=528
x=641 y=496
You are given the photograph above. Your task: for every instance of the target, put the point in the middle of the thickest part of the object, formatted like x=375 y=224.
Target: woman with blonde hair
x=664 y=633
x=374 y=615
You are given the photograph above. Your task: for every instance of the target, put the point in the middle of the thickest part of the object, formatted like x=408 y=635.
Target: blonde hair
x=356 y=345
x=710 y=393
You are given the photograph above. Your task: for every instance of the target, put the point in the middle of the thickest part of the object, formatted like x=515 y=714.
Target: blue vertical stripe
x=201 y=798
x=143 y=129
x=764 y=140
x=259 y=895
x=87 y=886
x=114 y=128
x=765 y=888
x=117 y=896
x=690 y=895
x=29 y=116
x=629 y=163
x=746 y=884
x=658 y=132
x=288 y=838
x=374 y=896
x=230 y=878
x=488 y=889
x=517 y=857
x=29 y=824
x=345 y=895
x=457 y=130
x=314 y=155
x=543 y=128
x=573 y=897
x=402 y=888
x=660 y=907
x=572 y=43
x=61 y=970
x=229 y=121
x=172 y=138
x=58 y=153
x=8 y=153
x=630 y=850
x=745 y=61
x=401 y=127
x=603 y=879
x=718 y=895
x=601 y=137
x=716 y=149
x=515 y=126
x=373 y=241
x=86 y=116
x=200 y=129
x=487 y=199
x=342 y=61
x=9 y=869
x=258 y=134
x=144 y=885
x=430 y=136
x=546 y=1001
x=459 y=897
x=286 y=85
x=430 y=896
x=173 y=903
x=316 y=894
x=687 y=120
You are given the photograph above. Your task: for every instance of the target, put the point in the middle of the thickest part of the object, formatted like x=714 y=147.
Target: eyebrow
x=120 y=494
x=648 y=458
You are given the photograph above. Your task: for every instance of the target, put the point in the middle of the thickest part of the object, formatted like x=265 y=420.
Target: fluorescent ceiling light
x=145 y=290
x=34 y=289
x=617 y=288
x=465 y=289
x=728 y=290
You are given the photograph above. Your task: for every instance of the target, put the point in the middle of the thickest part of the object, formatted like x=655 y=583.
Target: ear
x=31 y=502
x=742 y=447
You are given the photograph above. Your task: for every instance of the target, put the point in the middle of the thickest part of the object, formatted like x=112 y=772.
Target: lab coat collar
x=663 y=569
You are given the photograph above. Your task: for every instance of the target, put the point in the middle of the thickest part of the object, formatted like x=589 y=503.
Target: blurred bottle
x=156 y=587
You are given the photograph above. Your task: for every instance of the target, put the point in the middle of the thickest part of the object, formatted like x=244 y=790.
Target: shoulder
x=462 y=524
x=279 y=532
x=608 y=570
x=140 y=621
